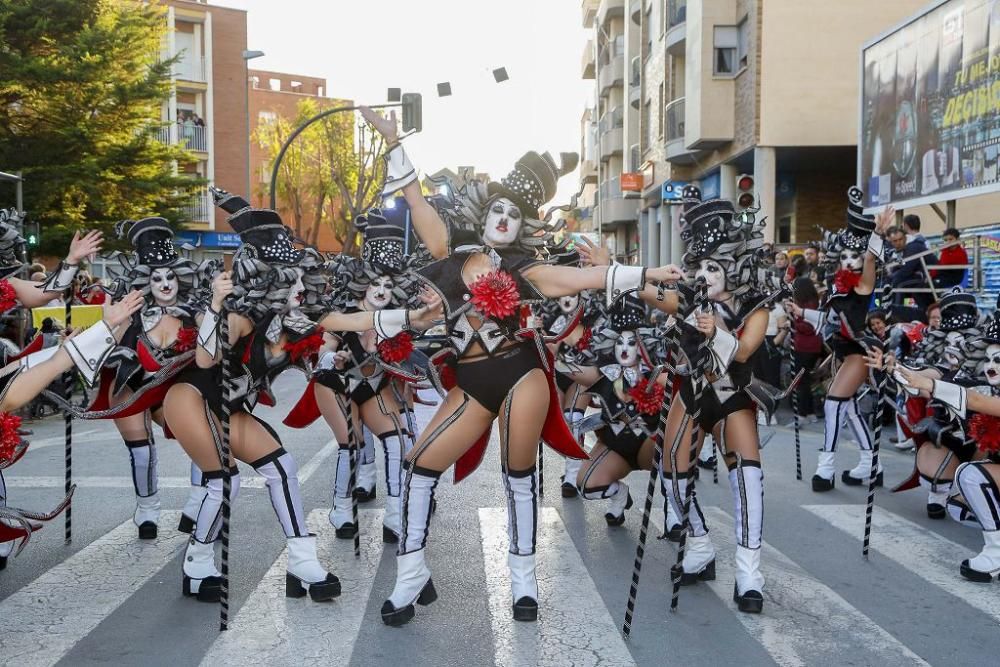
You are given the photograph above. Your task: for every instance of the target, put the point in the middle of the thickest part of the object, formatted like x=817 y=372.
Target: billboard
x=930 y=107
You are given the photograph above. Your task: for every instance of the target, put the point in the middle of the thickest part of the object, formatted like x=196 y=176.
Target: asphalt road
x=107 y=598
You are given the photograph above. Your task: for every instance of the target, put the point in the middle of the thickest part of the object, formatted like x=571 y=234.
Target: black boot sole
x=346 y=531
x=613 y=520
x=210 y=589
x=398 y=617
x=673 y=535
x=975 y=575
x=692 y=578
x=147 y=530
x=569 y=491
x=365 y=496
x=389 y=536
x=3 y=562
x=319 y=592
x=525 y=609
x=186 y=524
x=935 y=511
x=751 y=602
x=854 y=481
x=822 y=484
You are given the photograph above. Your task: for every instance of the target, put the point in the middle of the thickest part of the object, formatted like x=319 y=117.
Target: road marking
x=93 y=435
x=46 y=618
x=921 y=551
x=270 y=629
x=316 y=461
x=574 y=626
x=804 y=622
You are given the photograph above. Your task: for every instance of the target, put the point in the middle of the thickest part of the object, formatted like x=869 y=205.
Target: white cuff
x=951 y=395
x=399 y=171
x=724 y=346
x=620 y=280
x=35 y=358
x=814 y=317
x=388 y=323
x=876 y=246
x=90 y=349
x=208 y=332
x=61 y=279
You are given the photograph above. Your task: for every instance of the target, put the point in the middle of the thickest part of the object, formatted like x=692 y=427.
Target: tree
x=81 y=89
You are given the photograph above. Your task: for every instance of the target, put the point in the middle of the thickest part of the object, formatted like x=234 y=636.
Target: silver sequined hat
x=532 y=182
x=260 y=228
x=383 y=244
x=705 y=225
x=958 y=311
x=153 y=241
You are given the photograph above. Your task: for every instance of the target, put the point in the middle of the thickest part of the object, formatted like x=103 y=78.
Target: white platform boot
x=304 y=572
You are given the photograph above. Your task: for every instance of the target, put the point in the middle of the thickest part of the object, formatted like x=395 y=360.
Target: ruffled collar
x=294 y=322
x=152 y=315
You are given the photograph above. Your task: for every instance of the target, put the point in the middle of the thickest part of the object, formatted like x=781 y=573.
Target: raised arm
x=36 y=294
x=401 y=175
x=874 y=253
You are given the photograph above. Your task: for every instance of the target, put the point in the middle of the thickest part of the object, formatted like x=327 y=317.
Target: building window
x=661 y=111
x=784 y=229
x=726 y=48
x=743 y=44
x=266 y=117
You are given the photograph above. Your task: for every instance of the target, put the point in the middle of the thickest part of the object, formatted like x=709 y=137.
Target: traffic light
x=412 y=112
x=744 y=191
x=32 y=240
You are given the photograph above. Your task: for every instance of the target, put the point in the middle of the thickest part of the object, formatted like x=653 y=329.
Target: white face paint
x=991 y=367
x=503 y=222
x=379 y=293
x=296 y=292
x=164 y=287
x=567 y=304
x=953 y=350
x=627 y=349
x=852 y=260
x=715 y=277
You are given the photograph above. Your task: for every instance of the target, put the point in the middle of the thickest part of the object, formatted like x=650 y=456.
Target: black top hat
x=859 y=225
x=704 y=224
x=991 y=329
x=383 y=244
x=532 y=182
x=628 y=314
x=260 y=228
x=10 y=243
x=958 y=311
x=152 y=239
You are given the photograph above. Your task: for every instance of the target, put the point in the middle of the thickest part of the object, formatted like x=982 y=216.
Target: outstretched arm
x=36 y=294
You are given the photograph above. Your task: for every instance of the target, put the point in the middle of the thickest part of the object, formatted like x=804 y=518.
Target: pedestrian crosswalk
x=805 y=621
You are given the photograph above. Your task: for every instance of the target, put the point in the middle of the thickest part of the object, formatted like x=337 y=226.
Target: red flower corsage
x=648 y=403
x=396 y=349
x=495 y=295
x=187 y=338
x=584 y=342
x=305 y=346
x=845 y=280
x=8 y=297
x=985 y=430
x=10 y=438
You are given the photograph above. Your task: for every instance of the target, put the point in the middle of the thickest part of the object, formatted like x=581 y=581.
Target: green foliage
x=81 y=90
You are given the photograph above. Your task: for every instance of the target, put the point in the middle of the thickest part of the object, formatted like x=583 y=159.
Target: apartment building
x=766 y=88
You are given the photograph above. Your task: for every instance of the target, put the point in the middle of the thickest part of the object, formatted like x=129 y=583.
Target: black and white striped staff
x=224 y=456
x=68 y=423
x=354 y=444
x=541 y=473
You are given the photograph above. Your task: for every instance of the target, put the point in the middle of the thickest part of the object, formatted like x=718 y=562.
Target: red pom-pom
x=985 y=430
x=8 y=297
x=396 y=349
x=304 y=347
x=584 y=342
x=495 y=295
x=915 y=332
x=648 y=403
x=845 y=280
x=187 y=338
x=10 y=438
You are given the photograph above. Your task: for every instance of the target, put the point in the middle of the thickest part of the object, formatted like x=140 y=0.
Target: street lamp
x=247 y=57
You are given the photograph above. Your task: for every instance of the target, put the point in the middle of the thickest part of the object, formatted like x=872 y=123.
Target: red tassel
x=985 y=430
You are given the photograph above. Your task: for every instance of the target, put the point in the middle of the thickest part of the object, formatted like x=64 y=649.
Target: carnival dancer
x=853 y=253
x=358 y=375
x=268 y=333
x=483 y=282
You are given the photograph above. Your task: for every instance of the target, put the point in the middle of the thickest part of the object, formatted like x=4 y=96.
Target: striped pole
x=353 y=449
x=68 y=423
x=541 y=470
x=227 y=487
x=876 y=441
x=795 y=409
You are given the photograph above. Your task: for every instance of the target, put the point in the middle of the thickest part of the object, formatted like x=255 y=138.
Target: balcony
x=676 y=36
x=635 y=83
x=190 y=68
x=588 y=12
x=612 y=74
x=200 y=209
x=589 y=60
x=676 y=149
x=588 y=172
x=193 y=137
x=610 y=9
x=635 y=11
x=613 y=207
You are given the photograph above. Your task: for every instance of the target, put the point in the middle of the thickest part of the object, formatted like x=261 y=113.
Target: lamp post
x=247 y=57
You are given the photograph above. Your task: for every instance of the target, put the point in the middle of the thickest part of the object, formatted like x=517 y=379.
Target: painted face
x=503 y=222
x=567 y=304
x=852 y=260
x=164 y=287
x=953 y=350
x=296 y=292
x=627 y=349
x=379 y=293
x=991 y=367
x=715 y=277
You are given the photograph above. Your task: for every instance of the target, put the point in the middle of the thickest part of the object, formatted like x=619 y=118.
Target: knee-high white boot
x=983 y=497
x=747 y=483
x=522 y=529
x=201 y=579
x=193 y=504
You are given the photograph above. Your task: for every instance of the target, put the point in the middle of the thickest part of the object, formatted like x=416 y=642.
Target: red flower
x=306 y=346
x=495 y=295
x=8 y=297
x=187 y=338
x=396 y=349
x=845 y=280
x=985 y=430
x=648 y=403
x=584 y=342
x=9 y=436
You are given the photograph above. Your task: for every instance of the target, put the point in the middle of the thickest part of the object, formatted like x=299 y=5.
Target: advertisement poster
x=930 y=107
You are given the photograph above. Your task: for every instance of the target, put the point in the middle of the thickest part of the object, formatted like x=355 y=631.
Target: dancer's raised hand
x=83 y=247
x=120 y=312
x=384 y=126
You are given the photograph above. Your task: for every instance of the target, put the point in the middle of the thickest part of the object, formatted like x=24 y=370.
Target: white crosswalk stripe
x=804 y=621
x=271 y=629
x=574 y=627
x=921 y=551
x=45 y=619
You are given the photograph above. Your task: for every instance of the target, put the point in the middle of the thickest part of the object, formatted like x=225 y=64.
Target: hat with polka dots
x=958 y=311
x=532 y=182
x=705 y=225
x=628 y=314
x=383 y=242
x=262 y=229
x=859 y=225
x=153 y=241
